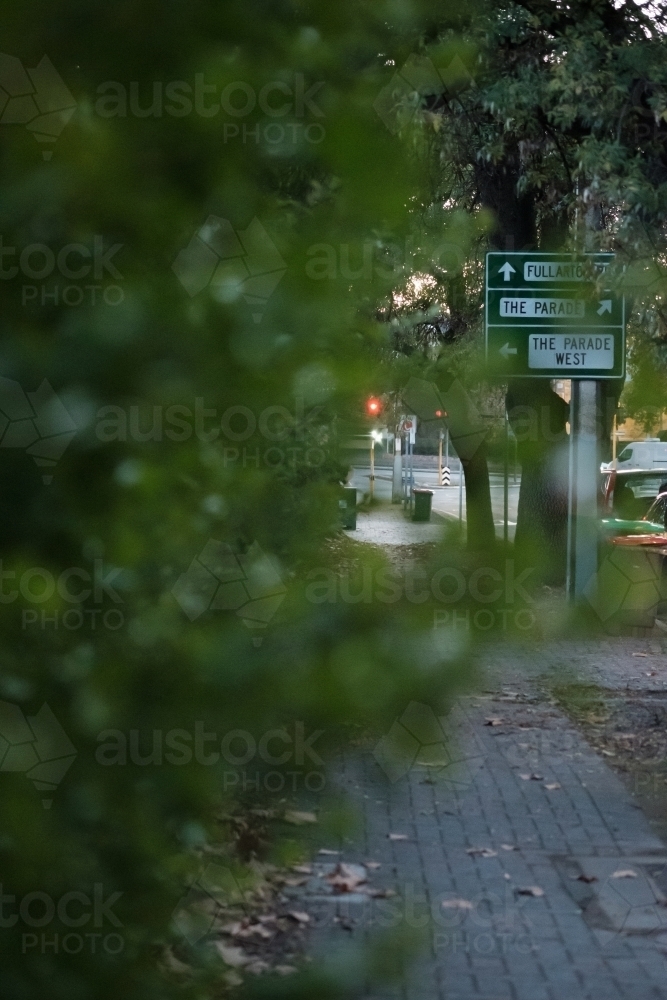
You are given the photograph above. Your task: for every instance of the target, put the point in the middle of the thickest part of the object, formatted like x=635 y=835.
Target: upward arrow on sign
x=506 y=270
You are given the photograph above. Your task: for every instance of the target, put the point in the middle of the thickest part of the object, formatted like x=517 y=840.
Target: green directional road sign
x=551 y=315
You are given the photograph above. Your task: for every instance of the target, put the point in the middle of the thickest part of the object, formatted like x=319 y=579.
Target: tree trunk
x=481 y=533
x=538 y=417
x=467 y=433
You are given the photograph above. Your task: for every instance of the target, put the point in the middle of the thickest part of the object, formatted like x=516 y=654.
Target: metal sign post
x=582 y=520
x=554 y=315
x=506 y=460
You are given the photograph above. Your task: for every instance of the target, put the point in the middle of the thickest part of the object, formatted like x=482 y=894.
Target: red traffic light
x=373 y=406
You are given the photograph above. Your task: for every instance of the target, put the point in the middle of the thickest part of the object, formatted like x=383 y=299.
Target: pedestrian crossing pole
x=443 y=470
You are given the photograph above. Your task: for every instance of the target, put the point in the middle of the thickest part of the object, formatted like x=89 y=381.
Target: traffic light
x=373 y=406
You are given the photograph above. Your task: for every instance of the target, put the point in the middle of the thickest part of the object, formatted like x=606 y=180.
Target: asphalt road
x=445 y=498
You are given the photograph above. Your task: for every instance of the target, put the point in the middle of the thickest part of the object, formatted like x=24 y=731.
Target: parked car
x=628 y=496
x=657 y=512
x=632 y=578
x=648 y=454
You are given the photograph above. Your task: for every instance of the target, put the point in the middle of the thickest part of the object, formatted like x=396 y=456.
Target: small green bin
x=422 y=506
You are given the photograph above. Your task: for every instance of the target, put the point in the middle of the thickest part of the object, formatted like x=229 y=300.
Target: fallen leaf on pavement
x=624 y=873
x=457 y=904
x=531 y=777
x=640 y=654
x=509 y=847
x=372 y=864
x=257 y=967
x=174 y=964
x=346 y=878
x=299 y=916
x=494 y=720
x=529 y=890
x=244 y=929
x=232 y=978
x=303 y=869
x=232 y=955
x=552 y=786
x=483 y=852
x=299 y=818
x=398 y=836
x=294 y=882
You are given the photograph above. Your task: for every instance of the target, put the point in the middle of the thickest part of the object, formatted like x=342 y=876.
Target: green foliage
x=198 y=415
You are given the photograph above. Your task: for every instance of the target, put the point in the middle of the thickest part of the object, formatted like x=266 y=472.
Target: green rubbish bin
x=347 y=506
x=422 y=508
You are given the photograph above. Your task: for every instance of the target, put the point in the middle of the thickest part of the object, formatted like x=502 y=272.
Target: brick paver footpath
x=514 y=850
